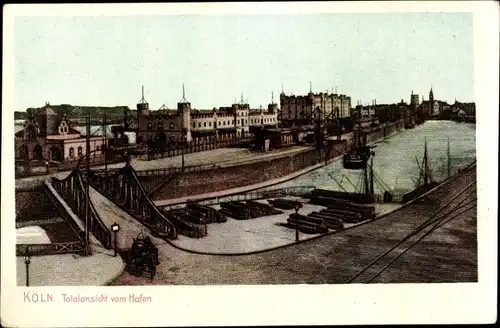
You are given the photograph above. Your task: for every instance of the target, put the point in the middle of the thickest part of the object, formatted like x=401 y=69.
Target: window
x=194 y=125
x=98 y=148
x=72 y=152
x=80 y=151
x=238 y=122
x=204 y=124
x=209 y=123
x=199 y=124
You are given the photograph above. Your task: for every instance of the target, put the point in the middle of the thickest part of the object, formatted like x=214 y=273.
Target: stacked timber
x=260 y=209
x=235 y=210
x=322 y=195
x=284 y=204
x=205 y=213
x=248 y=210
x=348 y=211
x=186 y=223
x=333 y=222
x=306 y=224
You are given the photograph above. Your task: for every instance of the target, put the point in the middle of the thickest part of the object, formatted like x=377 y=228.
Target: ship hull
x=356 y=159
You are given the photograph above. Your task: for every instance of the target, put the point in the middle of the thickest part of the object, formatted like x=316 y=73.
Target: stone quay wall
x=201 y=182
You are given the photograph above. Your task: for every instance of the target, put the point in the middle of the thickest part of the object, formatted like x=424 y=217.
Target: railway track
x=465 y=200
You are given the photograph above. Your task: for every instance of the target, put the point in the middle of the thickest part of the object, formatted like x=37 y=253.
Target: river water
x=395 y=161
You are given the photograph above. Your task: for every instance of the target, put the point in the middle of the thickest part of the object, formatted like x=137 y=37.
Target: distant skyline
x=104 y=61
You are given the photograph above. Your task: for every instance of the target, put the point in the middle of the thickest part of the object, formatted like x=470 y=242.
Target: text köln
x=36 y=297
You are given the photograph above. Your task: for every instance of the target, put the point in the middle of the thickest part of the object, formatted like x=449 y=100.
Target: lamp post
x=297 y=207
x=27 y=261
x=184 y=143
x=115 y=228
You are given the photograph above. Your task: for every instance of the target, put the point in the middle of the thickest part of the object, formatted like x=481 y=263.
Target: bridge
x=83 y=199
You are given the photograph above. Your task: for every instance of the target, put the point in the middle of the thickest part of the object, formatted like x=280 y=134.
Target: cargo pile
x=204 y=214
x=306 y=224
x=322 y=195
x=333 y=217
x=348 y=212
x=284 y=204
x=249 y=210
x=187 y=223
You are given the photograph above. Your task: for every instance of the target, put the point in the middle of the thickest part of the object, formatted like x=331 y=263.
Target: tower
x=272 y=107
x=431 y=101
x=414 y=101
x=184 y=111
x=143 y=106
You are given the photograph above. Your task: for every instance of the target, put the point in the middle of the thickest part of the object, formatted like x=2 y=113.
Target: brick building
x=49 y=137
x=297 y=110
x=188 y=123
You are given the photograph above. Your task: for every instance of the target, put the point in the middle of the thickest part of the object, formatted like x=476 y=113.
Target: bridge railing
x=147 y=209
x=72 y=189
x=125 y=190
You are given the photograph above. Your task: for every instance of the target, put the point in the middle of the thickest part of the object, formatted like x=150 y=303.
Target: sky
x=104 y=60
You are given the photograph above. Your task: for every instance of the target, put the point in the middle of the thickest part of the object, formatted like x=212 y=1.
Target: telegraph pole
x=372 y=188
x=87 y=250
x=425 y=163
x=449 y=158
x=365 y=178
x=105 y=134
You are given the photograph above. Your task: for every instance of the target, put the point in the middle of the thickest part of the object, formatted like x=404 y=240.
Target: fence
x=163 y=171
x=49 y=249
x=23 y=224
x=27 y=169
x=196 y=145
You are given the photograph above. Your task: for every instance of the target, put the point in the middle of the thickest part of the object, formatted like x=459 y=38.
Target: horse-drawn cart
x=144 y=256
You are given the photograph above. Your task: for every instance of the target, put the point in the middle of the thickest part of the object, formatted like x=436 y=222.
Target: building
x=468 y=109
x=432 y=107
x=186 y=123
x=49 y=137
x=298 y=110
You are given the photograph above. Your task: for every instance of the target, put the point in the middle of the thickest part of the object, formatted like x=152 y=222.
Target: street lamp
x=27 y=261
x=115 y=228
x=297 y=207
